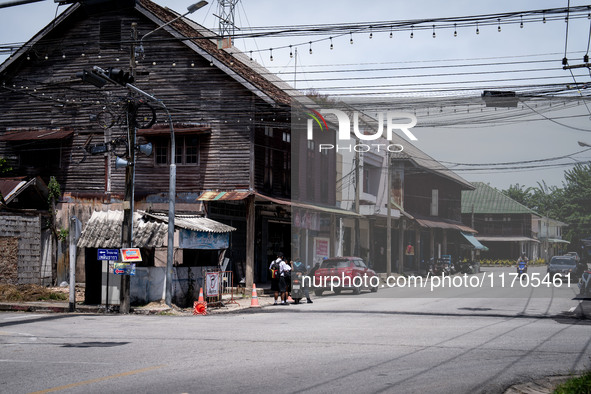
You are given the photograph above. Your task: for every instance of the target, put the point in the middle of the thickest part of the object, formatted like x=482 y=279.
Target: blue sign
x=124 y=269
x=202 y=240
x=108 y=254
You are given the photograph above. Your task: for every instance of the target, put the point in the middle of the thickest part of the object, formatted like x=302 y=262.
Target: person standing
x=274 y=268
x=284 y=276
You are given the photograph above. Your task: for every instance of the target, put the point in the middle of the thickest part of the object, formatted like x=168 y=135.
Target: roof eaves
x=174 y=30
x=37 y=37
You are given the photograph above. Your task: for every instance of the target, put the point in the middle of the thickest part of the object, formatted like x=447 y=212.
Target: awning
x=193 y=223
x=446 y=224
x=150 y=230
x=557 y=241
x=312 y=207
x=234 y=195
x=507 y=239
x=36 y=135
x=477 y=245
x=11 y=188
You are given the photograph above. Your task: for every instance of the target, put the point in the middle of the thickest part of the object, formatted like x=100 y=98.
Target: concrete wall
x=26 y=229
x=147 y=284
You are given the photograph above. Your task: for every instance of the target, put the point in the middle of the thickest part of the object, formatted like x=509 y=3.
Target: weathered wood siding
x=45 y=93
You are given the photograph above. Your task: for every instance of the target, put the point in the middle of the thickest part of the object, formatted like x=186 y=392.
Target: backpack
x=274 y=270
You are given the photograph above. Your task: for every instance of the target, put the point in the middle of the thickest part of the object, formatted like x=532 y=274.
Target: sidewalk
x=226 y=306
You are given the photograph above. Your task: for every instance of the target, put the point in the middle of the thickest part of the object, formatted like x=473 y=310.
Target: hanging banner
x=212 y=284
x=202 y=240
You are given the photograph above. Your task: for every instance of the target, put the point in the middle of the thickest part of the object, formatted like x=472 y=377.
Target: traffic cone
x=199 y=308
x=201 y=295
x=254 y=301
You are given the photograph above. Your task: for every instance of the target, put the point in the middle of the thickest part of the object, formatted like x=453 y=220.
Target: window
x=286 y=181
x=110 y=34
x=187 y=151
x=268 y=174
x=286 y=137
x=434 y=202
x=268 y=131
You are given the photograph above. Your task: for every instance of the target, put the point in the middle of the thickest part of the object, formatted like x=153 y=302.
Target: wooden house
x=231 y=120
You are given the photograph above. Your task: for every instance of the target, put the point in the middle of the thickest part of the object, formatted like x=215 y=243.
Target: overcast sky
x=476 y=141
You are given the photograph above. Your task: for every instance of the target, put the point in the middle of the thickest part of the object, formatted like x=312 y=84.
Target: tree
x=575 y=203
x=519 y=194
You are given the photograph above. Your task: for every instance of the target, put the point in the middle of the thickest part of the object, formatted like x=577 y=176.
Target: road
x=379 y=342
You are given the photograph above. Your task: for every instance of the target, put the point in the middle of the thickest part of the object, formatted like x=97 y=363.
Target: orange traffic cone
x=201 y=295
x=254 y=302
x=199 y=308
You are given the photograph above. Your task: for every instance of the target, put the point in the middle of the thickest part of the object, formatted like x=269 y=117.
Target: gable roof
x=232 y=61
x=487 y=199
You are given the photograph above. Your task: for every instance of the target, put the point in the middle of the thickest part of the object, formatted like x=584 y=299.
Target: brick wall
x=26 y=230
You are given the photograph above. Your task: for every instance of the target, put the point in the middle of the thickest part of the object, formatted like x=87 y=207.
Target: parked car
x=564 y=266
x=348 y=268
x=575 y=255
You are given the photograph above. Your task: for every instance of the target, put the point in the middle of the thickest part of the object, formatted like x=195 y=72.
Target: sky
x=469 y=132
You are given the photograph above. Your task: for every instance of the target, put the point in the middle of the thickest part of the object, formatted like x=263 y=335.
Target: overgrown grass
x=578 y=385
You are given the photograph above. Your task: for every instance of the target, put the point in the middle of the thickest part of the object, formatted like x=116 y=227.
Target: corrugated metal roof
x=193 y=223
x=487 y=199
x=103 y=230
x=433 y=222
x=35 y=135
x=221 y=196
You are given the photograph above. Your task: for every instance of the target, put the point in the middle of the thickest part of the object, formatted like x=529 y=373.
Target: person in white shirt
x=274 y=268
x=284 y=278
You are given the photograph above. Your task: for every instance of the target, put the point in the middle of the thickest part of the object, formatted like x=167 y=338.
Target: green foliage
x=4 y=167
x=508 y=263
x=570 y=204
x=581 y=384
x=54 y=191
x=62 y=235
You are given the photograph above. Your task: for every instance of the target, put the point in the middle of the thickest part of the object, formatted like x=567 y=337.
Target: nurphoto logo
x=393 y=122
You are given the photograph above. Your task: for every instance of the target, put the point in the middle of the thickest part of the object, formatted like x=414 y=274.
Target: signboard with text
x=108 y=254
x=131 y=255
x=124 y=269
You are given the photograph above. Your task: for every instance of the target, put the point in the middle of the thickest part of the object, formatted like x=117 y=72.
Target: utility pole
x=357 y=249
x=128 y=201
x=388 y=217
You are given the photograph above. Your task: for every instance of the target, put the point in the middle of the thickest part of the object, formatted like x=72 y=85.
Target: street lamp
x=584 y=144
x=190 y=9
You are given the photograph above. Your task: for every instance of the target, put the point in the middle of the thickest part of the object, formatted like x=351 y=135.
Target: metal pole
x=72 y=264
x=171 y=213
x=127 y=226
x=388 y=217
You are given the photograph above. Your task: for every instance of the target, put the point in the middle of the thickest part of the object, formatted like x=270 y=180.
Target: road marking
x=119 y=375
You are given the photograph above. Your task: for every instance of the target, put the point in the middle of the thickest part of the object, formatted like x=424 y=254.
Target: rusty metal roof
x=103 y=230
x=233 y=195
x=433 y=222
x=35 y=135
x=193 y=223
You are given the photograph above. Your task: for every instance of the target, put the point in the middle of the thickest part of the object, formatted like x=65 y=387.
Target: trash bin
x=476 y=267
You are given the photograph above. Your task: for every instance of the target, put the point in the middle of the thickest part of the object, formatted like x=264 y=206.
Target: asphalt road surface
x=396 y=340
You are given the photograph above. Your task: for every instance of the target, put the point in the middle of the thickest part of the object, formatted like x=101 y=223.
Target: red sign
x=131 y=255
